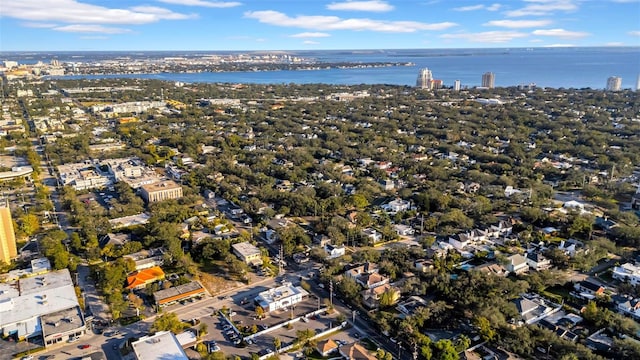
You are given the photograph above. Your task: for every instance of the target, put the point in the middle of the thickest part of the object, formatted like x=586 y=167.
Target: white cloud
x=559 y=45
x=91 y=37
x=38 y=25
x=626 y=1
x=371 y=5
x=634 y=33
x=469 y=8
x=543 y=7
x=614 y=43
x=492 y=7
x=203 y=3
x=561 y=33
x=75 y=12
x=86 y=28
x=518 y=24
x=310 y=42
x=336 y=23
x=486 y=37
x=310 y=35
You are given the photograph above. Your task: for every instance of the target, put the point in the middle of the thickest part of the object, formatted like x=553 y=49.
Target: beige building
x=164 y=190
x=247 y=253
x=8 y=248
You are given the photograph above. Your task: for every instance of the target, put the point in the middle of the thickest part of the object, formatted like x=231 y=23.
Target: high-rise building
x=456 y=85
x=8 y=248
x=638 y=83
x=424 y=79
x=614 y=83
x=488 y=80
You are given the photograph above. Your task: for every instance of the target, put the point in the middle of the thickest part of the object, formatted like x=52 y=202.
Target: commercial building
x=164 y=190
x=614 y=83
x=488 y=80
x=43 y=305
x=280 y=297
x=83 y=176
x=159 y=346
x=182 y=292
x=247 y=253
x=8 y=248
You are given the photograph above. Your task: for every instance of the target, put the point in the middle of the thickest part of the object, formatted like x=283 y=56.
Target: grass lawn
x=368 y=344
x=557 y=293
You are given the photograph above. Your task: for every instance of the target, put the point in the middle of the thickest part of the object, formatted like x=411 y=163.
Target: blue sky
x=47 y=25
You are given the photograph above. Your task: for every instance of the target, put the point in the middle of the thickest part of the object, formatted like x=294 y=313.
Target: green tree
x=445 y=350
x=389 y=297
x=349 y=288
x=277 y=343
x=484 y=328
x=168 y=322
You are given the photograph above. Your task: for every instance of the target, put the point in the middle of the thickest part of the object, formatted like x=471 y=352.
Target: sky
x=130 y=25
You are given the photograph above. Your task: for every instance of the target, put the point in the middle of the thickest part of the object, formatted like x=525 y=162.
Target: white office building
x=627 y=272
x=159 y=346
x=425 y=79
x=40 y=305
x=280 y=297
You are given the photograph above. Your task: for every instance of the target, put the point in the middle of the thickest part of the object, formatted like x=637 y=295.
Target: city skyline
x=78 y=25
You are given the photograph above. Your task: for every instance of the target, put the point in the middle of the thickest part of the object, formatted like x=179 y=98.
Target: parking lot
x=244 y=318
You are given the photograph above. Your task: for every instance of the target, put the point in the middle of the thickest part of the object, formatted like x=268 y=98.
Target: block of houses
x=534 y=308
x=536 y=261
x=372 y=280
x=572 y=247
x=517 y=264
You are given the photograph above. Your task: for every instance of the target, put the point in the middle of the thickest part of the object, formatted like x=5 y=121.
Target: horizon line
x=345 y=49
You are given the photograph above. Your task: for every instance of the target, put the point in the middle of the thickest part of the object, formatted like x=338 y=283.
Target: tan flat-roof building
x=8 y=248
x=164 y=190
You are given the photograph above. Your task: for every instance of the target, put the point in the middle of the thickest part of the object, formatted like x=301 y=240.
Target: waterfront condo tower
x=614 y=83
x=425 y=79
x=8 y=249
x=488 y=80
x=456 y=85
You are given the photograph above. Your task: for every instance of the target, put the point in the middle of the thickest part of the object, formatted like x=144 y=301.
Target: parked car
x=73 y=339
x=84 y=346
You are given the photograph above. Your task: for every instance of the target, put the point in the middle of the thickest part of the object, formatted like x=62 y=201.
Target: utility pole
x=280 y=267
x=331 y=291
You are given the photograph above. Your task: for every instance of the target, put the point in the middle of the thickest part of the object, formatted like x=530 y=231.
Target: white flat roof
x=36 y=296
x=162 y=345
x=281 y=292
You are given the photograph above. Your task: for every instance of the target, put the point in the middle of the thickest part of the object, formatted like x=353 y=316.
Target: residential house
x=627 y=305
x=355 y=351
x=571 y=247
x=321 y=240
x=334 y=251
x=423 y=265
x=372 y=280
x=372 y=234
x=605 y=223
x=412 y=304
x=140 y=279
x=397 y=205
x=534 y=308
x=588 y=289
x=517 y=264
x=503 y=228
x=404 y=230
x=627 y=272
x=371 y=296
x=326 y=347
x=493 y=269
x=366 y=268
x=537 y=261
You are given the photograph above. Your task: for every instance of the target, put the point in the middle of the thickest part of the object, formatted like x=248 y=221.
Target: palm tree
x=277 y=343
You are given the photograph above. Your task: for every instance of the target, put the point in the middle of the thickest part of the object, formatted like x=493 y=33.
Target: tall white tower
x=638 y=83
x=456 y=85
x=614 y=83
x=424 y=79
